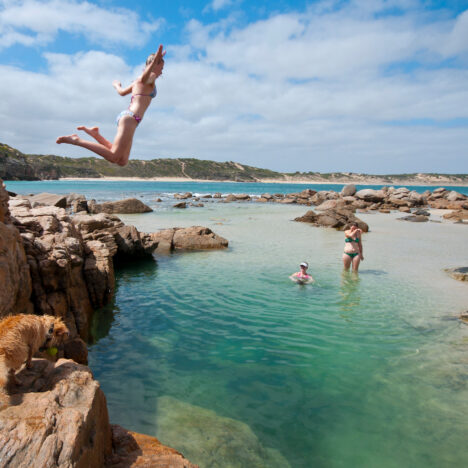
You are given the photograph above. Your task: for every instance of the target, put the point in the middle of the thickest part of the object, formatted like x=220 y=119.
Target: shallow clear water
x=221 y=356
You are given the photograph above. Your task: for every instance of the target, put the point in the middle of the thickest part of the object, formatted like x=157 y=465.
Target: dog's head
x=57 y=330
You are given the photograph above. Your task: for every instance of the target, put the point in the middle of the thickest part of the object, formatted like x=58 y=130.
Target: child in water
x=143 y=91
x=302 y=277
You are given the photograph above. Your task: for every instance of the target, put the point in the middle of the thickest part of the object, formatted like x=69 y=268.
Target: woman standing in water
x=143 y=91
x=353 y=247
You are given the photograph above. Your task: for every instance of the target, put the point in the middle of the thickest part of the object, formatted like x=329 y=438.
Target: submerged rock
x=460 y=273
x=212 y=440
x=414 y=218
x=131 y=449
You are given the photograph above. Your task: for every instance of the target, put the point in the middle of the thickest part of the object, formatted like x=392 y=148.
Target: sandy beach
x=427 y=183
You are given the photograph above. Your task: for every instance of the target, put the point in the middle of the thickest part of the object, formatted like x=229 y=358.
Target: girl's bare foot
x=70 y=139
x=91 y=131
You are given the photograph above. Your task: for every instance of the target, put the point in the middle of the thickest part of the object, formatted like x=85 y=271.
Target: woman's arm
x=155 y=66
x=360 y=247
x=122 y=91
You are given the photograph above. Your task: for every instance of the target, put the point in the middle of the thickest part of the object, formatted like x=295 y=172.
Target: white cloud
x=329 y=89
x=38 y=22
x=217 y=5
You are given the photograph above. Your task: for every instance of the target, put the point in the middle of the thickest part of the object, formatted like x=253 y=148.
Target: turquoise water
x=220 y=349
x=221 y=356
x=109 y=190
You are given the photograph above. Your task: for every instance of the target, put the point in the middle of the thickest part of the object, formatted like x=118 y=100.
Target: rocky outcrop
x=71 y=259
x=127 y=206
x=57 y=418
x=191 y=238
x=56 y=256
x=15 y=278
x=334 y=218
x=460 y=273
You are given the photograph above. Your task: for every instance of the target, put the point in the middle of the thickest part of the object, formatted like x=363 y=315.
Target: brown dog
x=21 y=336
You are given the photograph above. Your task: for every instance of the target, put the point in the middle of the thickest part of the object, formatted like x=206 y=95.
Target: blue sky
x=377 y=86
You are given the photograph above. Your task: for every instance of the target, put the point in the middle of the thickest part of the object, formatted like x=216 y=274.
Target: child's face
x=303 y=269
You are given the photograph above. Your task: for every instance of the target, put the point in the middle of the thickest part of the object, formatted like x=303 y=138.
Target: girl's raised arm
x=153 y=66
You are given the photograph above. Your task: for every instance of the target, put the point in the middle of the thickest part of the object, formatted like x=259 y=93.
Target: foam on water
x=352 y=371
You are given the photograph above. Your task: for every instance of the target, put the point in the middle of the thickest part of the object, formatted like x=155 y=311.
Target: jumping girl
x=143 y=91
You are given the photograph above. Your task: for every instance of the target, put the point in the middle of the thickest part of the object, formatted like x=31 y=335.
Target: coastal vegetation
x=15 y=165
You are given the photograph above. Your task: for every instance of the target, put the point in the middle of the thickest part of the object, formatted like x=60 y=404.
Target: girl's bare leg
x=120 y=149
x=346 y=261
x=356 y=262
x=94 y=132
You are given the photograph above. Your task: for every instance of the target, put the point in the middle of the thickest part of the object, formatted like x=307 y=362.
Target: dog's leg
x=12 y=377
x=28 y=361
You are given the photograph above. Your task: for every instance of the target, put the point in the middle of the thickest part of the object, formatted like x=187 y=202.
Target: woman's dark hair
x=351 y=224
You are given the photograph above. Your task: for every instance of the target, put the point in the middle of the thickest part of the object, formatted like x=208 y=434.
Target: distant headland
x=15 y=165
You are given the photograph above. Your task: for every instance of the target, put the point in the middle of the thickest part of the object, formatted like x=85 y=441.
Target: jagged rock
x=287 y=201
x=348 y=190
x=370 y=195
x=191 y=238
x=132 y=244
x=48 y=199
x=158 y=200
x=127 y=206
x=57 y=418
x=460 y=273
x=131 y=449
x=15 y=279
x=206 y=196
x=404 y=209
x=242 y=196
x=73 y=197
x=80 y=205
x=267 y=196
x=230 y=198
x=181 y=205
x=55 y=254
x=217 y=195
x=334 y=218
